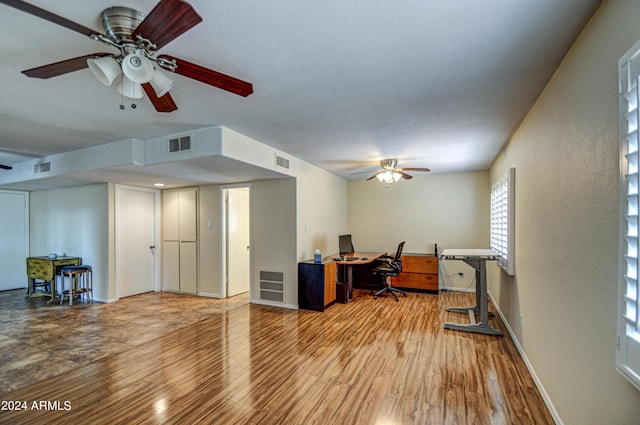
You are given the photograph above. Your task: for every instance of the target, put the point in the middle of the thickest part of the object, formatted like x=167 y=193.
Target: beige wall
x=321 y=211
x=562 y=302
x=209 y=267
x=450 y=209
x=273 y=234
x=74 y=221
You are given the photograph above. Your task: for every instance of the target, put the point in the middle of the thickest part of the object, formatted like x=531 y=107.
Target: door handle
x=152 y=246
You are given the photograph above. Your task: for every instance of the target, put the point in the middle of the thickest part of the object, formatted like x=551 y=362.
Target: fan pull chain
x=122 y=107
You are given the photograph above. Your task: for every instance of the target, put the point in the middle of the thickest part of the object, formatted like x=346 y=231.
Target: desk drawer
x=419 y=264
x=423 y=281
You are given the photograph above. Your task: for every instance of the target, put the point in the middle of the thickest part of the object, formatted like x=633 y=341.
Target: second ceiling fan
x=389 y=173
x=137 y=65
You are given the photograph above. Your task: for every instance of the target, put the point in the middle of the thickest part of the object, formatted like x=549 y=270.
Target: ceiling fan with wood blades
x=389 y=173
x=137 y=66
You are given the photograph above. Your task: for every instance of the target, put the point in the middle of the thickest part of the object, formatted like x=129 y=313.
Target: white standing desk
x=476 y=258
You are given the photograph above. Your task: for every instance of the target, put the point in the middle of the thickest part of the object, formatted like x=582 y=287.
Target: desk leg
x=480 y=307
x=349 y=283
x=348 y=270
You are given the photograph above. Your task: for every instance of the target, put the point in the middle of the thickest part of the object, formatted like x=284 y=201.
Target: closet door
x=171 y=241
x=170 y=216
x=171 y=266
x=180 y=235
x=187 y=221
x=188 y=268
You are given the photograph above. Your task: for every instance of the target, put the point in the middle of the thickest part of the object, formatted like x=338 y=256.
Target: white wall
x=74 y=222
x=449 y=209
x=562 y=302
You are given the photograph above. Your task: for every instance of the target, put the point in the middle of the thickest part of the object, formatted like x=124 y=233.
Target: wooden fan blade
x=62 y=67
x=404 y=175
x=162 y=104
x=48 y=16
x=372 y=177
x=211 y=77
x=6 y=167
x=426 y=170
x=364 y=172
x=168 y=20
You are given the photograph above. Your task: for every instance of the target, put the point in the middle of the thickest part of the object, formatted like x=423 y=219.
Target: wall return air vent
x=272 y=285
x=180 y=144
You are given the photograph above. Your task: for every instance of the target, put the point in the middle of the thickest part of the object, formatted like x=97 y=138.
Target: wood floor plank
x=369 y=361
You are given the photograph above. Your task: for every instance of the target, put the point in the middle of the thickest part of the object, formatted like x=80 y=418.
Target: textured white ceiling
x=435 y=83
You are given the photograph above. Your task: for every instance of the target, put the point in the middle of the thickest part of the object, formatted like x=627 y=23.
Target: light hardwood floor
x=366 y=362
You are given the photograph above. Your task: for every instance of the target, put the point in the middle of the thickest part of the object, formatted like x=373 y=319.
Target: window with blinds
x=502 y=220
x=628 y=338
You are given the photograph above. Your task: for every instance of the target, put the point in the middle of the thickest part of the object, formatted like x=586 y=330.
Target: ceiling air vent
x=180 y=144
x=43 y=167
x=282 y=162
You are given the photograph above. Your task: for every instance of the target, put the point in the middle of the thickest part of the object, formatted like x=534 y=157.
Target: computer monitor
x=345 y=244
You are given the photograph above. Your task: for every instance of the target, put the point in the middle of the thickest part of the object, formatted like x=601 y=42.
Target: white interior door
x=238 y=238
x=14 y=248
x=135 y=240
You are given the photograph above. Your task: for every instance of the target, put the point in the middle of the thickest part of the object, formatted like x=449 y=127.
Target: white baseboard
x=262 y=302
x=103 y=300
x=455 y=288
x=208 y=295
x=536 y=380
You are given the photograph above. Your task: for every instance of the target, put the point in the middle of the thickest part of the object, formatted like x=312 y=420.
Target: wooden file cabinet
x=419 y=272
x=316 y=285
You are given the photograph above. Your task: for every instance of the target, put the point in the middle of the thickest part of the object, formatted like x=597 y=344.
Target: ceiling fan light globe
x=396 y=176
x=129 y=88
x=105 y=69
x=161 y=83
x=137 y=68
x=380 y=177
x=387 y=177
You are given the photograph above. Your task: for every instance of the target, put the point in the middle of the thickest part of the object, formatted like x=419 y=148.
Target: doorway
x=236 y=239
x=136 y=216
x=14 y=228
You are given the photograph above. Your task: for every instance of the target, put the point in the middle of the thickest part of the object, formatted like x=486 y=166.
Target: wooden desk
x=45 y=268
x=363 y=258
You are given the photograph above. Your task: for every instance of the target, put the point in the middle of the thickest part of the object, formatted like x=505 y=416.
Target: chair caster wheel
x=375 y=297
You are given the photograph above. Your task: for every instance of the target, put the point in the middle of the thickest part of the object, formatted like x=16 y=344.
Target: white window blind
x=628 y=338
x=502 y=220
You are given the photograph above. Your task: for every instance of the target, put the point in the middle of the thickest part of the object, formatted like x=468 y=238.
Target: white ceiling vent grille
x=282 y=162
x=272 y=285
x=43 y=167
x=180 y=144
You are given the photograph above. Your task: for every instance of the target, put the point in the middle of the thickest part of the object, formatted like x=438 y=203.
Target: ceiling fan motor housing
x=119 y=22
x=389 y=164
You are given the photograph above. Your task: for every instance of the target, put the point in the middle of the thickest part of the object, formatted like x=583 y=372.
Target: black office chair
x=391 y=267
